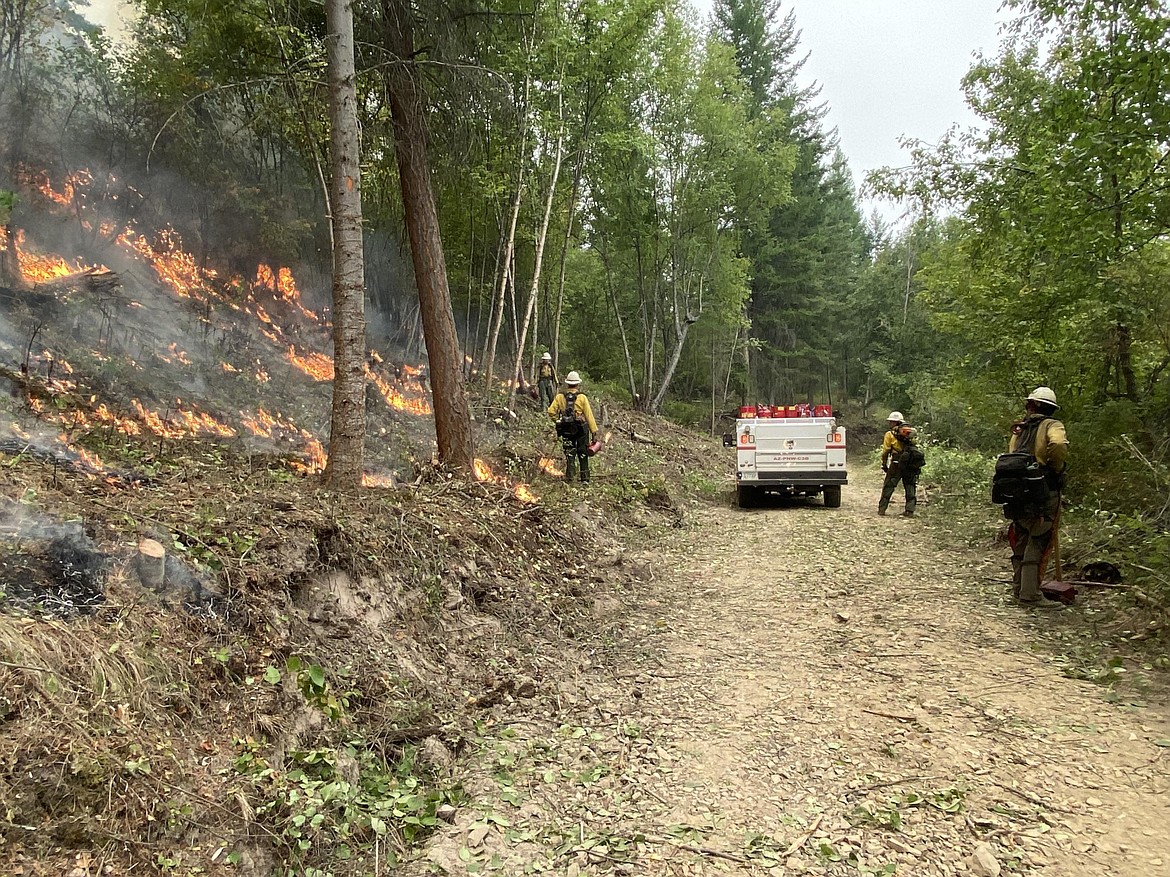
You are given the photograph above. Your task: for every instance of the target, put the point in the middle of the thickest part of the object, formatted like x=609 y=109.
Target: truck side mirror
x=729 y=439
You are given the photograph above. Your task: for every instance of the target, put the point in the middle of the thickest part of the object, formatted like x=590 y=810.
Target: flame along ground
x=178 y=271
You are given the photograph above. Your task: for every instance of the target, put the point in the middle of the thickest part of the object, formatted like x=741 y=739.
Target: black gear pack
x=1020 y=480
x=911 y=458
x=569 y=426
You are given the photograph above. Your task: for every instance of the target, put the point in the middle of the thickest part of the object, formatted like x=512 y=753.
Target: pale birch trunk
x=538 y=260
x=347 y=428
x=509 y=249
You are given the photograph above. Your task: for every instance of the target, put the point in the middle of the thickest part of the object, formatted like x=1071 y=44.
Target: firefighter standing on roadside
x=546 y=380
x=1033 y=526
x=573 y=416
x=892 y=450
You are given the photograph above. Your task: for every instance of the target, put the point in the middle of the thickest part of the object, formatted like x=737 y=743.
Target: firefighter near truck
x=790 y=450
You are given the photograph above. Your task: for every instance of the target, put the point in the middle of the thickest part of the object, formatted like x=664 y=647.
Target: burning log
x=43 y=297
x=89 y=280
x=151 y=564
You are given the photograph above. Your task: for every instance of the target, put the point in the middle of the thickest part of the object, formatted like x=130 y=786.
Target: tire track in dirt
x=825 y=692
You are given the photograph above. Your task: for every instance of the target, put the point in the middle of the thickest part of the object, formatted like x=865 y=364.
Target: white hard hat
x=896 y=416
x=572 y=379
x=1045 y=395
x=546 y=356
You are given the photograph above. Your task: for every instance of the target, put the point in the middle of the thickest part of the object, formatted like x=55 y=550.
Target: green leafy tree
x=1065 y=191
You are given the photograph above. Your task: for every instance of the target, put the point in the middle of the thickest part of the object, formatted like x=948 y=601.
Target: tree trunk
x=538 y=259
x=682 y=331
x=556 y=347
x=621 y=326
x=347 y=429
x=452 y=420
x=489 y=362
x=10 y=274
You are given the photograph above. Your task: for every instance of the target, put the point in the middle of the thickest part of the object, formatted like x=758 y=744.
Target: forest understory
x=634 y=677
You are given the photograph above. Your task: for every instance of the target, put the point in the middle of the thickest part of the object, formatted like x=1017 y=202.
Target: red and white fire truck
x=792 y=450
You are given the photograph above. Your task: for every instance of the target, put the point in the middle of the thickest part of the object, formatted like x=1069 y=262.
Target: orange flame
x=40 y=269
x=550 y=466
x=182 y=422
x=394 y=398
x=283 y=284
x=483 y=473
x=316 y=365
x=91 y=461
x=74 y=182
x=316 y=461
x=177 y=355
x=174 y=267
x=104 y=415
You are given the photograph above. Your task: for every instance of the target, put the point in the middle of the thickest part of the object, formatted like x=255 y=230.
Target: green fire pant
x=576 y=451
x=1032 y=535
x=909 y=481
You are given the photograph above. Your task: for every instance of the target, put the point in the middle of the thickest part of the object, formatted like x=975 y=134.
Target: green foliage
x=329 y=804
x=8 y=201
x=316 y=688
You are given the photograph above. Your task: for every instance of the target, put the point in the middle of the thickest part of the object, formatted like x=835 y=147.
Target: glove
x=885 y=468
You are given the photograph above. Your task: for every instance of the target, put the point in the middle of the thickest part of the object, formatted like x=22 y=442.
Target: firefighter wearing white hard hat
x=1043 y=396
x=573 y=416
x=546 y=380
x=1035 y=520
x=897 y=464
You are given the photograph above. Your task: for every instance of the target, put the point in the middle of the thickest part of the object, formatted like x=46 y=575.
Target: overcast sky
x=887 y=68
x=891 y=69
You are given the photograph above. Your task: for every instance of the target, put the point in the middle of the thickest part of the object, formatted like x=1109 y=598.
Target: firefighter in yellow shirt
x=1041 y=435
x=546 y=380
x=573 y=416
x=893 y=450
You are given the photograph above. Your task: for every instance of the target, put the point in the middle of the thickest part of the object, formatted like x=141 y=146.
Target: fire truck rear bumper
x=793 y=479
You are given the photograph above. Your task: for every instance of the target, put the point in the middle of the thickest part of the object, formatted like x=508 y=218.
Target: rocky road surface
x=815 y=691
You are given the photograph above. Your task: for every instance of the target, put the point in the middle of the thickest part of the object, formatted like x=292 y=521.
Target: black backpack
x=1020 y=480
x=568 y=426
x=910 y=459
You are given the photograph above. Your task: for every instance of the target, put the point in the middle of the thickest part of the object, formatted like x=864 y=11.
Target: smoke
x=115 y=17
x=49 y=567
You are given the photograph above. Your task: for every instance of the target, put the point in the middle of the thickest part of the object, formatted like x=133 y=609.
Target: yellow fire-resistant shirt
x=891 y=444
x=1050 y=447
x=581 y=407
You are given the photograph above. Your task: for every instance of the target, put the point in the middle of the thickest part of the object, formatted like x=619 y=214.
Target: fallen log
x=91 y=279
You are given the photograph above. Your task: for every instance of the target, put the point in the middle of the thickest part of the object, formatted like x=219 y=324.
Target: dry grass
x=120 y=729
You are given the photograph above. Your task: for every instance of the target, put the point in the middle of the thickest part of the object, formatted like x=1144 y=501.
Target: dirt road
x=825 y=692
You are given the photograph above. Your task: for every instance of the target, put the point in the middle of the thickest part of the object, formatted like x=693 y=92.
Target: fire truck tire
x=747 y=497
x=833 y=497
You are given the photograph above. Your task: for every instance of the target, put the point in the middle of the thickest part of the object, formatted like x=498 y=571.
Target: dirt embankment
x=804 y=690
